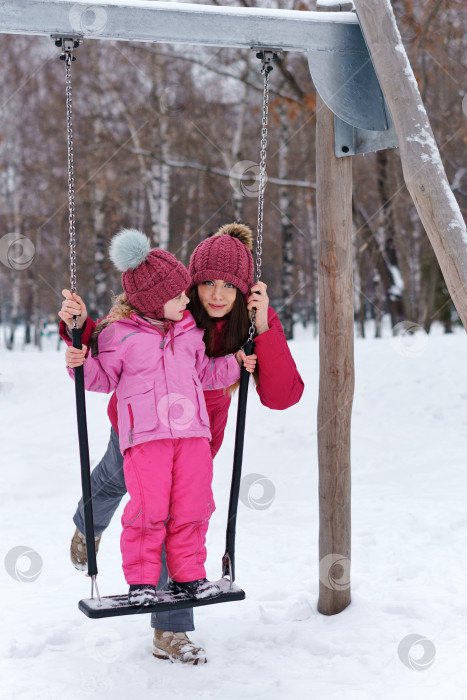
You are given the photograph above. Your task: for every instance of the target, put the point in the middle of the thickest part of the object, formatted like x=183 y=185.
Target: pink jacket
x=280 y=385
x=159 y=388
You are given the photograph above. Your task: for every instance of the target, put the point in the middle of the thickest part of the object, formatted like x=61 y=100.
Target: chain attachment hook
x=68 y=44
x=267 y=57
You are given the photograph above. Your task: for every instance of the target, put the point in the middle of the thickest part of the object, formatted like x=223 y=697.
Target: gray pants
x=108 y=488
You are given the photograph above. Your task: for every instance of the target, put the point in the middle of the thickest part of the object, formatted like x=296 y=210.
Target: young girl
x=152 y=353
x=221 y=298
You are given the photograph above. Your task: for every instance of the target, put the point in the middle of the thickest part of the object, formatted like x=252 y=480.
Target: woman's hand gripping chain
x=259 y=300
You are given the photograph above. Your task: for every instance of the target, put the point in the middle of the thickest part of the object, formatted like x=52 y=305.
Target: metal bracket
x=94 y=585
x=351 y=140
x=68 y=44
x=227 y=568
x=267 y=56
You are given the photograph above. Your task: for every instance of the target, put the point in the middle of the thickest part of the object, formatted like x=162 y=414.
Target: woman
x=222 y=298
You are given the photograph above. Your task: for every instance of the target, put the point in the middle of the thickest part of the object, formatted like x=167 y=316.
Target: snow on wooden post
x=421 y=162
x=336 y=379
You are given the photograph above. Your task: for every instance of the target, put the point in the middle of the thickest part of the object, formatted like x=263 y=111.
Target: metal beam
x=179 y=23
x=339 y=61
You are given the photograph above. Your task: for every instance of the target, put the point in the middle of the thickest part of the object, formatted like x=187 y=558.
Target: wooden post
x=421 y=162
x=336 y=379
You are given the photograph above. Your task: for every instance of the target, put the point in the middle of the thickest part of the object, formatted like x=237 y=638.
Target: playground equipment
x=368 y=100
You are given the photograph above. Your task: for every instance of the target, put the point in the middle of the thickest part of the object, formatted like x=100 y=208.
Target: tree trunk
x=29 y=308
x=311 y=218
x=285 y=209
x=100 y=297
x=164 y=187
x=378 y=303
x=393 y=290
x=237 y=141
x=188 y=227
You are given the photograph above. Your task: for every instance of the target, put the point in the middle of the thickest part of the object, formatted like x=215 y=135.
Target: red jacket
x=279 y=383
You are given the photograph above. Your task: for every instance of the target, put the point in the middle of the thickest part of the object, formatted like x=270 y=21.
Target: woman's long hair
x=234 y=333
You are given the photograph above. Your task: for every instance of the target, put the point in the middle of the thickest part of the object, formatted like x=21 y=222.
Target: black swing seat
x=114 y=605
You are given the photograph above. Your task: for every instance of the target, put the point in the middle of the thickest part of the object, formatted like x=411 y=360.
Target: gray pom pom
x=128 y=249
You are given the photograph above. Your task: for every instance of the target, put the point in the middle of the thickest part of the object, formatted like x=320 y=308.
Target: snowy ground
x=409 y=488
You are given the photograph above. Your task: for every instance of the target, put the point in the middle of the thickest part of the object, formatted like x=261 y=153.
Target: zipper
x=132 y=424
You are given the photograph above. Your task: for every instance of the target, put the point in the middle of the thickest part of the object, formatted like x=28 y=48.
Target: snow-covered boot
x=176 y=646
x=78 y=553
x=142 y=594
x=202 y=588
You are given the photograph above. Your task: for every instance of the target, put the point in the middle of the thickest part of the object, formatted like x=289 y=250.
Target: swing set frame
x=367 y=100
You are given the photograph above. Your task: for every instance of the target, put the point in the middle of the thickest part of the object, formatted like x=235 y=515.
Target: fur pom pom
x=128 y=249
x=237 y=230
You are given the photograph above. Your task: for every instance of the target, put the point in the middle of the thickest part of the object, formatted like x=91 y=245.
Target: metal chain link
x=262 y=184
x=71 y=177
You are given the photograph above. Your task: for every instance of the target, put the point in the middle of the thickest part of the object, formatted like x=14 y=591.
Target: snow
x=345 y=17
x=408 y=72
x=409 y=489
x=426 y=140
x=397 y=288
x=328 y=3
x=422 y=135
x=457 y=222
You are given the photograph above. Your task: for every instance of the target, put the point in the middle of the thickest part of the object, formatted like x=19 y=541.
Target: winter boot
x=177 y=647
x=142 y=594
x=202 y=588
x=78 y=553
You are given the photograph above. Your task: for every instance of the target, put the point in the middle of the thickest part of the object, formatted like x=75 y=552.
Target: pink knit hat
x=150 y=277
x=225 y=256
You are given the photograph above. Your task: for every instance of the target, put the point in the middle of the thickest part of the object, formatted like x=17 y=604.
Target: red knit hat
x=225 y=256
x=150 y=277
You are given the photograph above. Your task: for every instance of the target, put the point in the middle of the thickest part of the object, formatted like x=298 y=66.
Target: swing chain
x=68 y=44
x=71 y=178
x=266 y=58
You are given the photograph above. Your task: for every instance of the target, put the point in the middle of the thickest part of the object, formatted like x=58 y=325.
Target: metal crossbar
x=339 y=61
x=338 y=57
x=180 y=23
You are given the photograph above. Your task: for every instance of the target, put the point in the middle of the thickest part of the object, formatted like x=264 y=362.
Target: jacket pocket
x=140 y=409
x=131 y=514
x=202 y=411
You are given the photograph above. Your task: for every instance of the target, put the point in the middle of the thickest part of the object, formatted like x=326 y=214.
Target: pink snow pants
x=167 y=479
